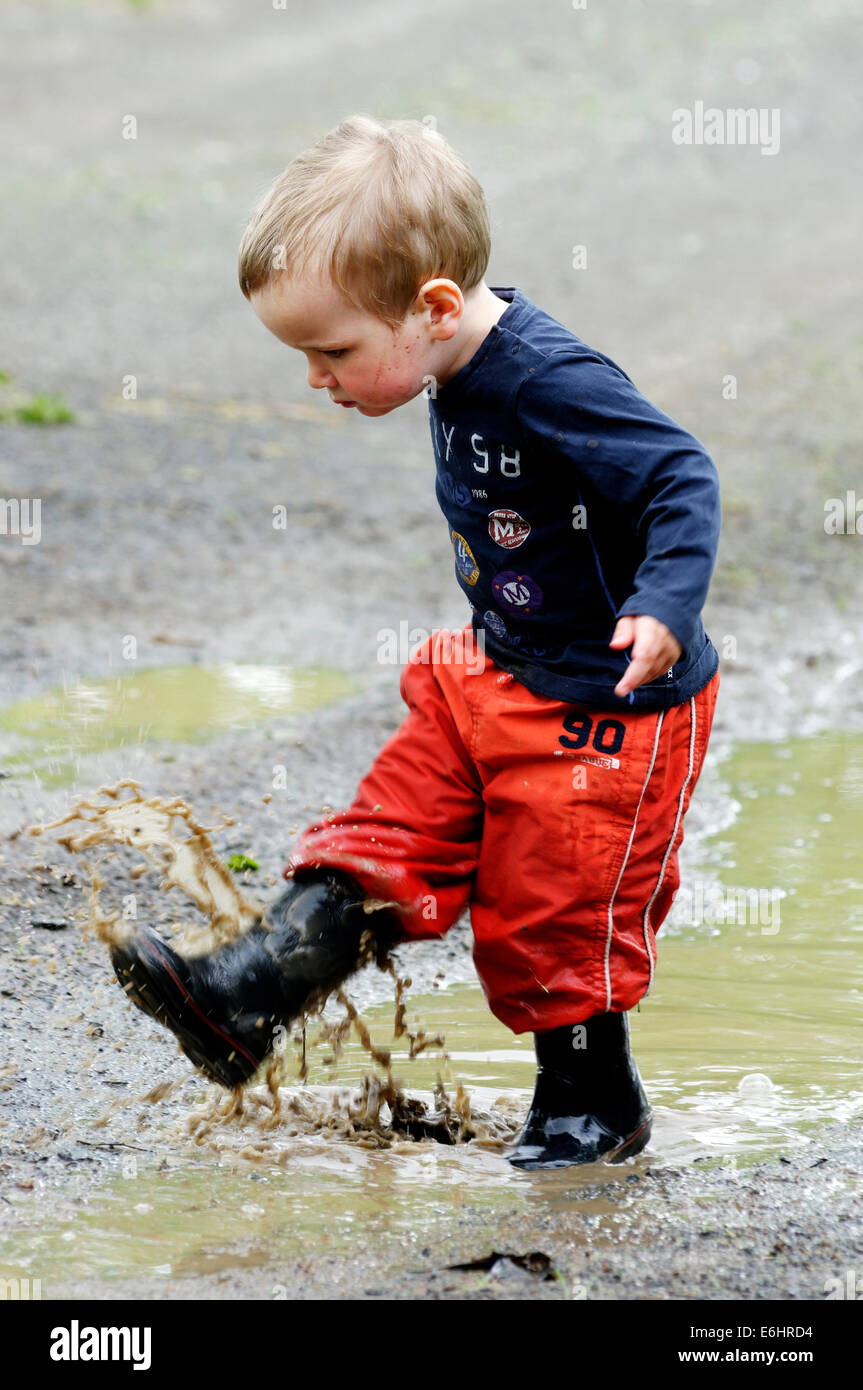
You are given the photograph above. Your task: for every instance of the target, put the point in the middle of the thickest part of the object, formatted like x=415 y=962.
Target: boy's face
x=363 y=363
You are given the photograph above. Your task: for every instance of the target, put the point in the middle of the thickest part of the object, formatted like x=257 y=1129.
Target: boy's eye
x=335 y=352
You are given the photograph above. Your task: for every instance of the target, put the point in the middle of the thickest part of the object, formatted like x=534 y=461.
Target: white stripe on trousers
x=623 y=865
x=671 y=841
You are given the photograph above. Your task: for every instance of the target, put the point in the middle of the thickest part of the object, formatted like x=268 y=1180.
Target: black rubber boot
x=226 y=1007
x=589 y=1104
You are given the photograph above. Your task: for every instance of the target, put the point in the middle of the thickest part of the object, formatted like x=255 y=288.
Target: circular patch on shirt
x=495 y=623
x=464 y=560
x=517 y=591
x=508 y=528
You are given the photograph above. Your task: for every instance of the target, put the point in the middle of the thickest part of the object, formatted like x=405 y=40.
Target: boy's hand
x=654 y=649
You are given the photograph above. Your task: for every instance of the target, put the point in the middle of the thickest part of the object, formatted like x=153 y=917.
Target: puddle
x=751 y=1038
x=767 y=981
x=192 y=1220
x=179 y=704
x=254 y=1198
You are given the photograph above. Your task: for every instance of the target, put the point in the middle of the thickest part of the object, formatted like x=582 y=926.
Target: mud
x=180 y=849
x=173 y=842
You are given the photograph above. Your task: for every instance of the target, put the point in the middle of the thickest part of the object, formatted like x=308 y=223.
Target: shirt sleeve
x=631 y=456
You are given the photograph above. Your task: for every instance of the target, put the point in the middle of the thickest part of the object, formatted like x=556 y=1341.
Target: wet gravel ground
x=157 y=512
x=780 y=1228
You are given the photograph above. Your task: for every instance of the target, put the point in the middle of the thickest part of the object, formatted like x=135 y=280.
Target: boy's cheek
x=385 y=393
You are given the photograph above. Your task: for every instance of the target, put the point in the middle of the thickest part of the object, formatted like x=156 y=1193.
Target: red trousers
x=558 y=826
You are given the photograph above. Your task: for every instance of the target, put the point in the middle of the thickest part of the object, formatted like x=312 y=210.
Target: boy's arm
x=631 y=455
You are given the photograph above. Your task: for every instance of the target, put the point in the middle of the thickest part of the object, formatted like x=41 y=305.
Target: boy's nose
x=319 y=375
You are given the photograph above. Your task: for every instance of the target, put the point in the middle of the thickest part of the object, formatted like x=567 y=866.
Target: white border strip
x=623 y=865
x=670 y=842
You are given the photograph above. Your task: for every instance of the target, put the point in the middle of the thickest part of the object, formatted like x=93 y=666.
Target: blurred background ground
x=119 y=260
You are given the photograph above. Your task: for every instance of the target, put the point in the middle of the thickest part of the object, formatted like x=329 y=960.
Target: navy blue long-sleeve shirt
x=572 y=501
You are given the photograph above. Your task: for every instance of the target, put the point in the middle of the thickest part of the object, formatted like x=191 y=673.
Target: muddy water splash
x=174 y=843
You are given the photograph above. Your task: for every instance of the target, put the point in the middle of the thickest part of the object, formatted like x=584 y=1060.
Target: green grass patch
x=44 y=408
x=241 y=863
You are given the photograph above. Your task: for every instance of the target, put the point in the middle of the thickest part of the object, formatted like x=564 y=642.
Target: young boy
x=545 y=786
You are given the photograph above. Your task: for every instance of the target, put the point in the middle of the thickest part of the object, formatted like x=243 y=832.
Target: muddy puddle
x=51 y=733
x=754 y=1030
x=751 y=1039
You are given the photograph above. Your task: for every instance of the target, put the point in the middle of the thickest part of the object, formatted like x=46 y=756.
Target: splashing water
x=173 y=842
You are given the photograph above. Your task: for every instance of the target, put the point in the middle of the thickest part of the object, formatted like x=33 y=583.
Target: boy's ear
x=442 y=303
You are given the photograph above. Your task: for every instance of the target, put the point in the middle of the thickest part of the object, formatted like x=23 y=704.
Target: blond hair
x=377 y=207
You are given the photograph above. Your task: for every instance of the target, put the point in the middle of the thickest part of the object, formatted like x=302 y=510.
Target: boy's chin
x=375 y=410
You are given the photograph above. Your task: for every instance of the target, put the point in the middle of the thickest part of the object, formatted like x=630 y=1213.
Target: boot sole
x=631 y=1145
x=139 y=978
